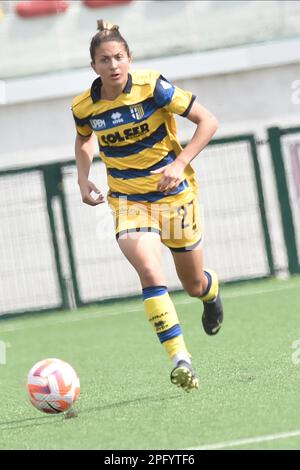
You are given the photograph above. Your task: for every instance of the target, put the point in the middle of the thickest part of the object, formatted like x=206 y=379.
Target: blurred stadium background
x=241 y=59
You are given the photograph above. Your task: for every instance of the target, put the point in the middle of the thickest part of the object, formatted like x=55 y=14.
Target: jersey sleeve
x=172 y=98
x=82 y=126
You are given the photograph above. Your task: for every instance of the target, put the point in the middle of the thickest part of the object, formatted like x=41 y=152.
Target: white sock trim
x=182 y=356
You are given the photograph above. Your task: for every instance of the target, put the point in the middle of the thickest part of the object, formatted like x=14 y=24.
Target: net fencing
x=291 y=157
x=27 y=268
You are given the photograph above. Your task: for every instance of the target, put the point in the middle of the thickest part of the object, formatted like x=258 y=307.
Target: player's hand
x=171 y=176
x=86 y=188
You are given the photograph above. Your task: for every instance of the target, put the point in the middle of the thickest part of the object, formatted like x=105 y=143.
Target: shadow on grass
x=47 y=419
x=28 y=422
x=120 y=404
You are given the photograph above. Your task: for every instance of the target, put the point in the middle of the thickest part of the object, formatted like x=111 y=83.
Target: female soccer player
x=152 y=187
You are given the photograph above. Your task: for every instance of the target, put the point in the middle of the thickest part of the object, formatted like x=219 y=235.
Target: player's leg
x=185 y=244
x=143 y=251
x=201 y=283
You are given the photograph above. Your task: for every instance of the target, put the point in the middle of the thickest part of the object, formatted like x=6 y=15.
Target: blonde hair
x=106 y=32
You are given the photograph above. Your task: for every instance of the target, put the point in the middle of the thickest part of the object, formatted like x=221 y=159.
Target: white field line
x=73 y=317
x=248 y=440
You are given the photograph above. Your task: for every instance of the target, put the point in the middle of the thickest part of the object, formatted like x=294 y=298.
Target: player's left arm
x=207 y=125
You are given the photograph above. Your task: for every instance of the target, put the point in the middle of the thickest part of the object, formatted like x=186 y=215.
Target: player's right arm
x=84 y=152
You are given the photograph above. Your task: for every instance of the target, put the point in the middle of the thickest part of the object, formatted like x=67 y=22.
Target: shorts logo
x=117 y=118
x=97 y=124
x=137 y=111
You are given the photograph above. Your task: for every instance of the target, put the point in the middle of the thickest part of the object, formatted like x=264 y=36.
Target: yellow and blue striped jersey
x=136 y=132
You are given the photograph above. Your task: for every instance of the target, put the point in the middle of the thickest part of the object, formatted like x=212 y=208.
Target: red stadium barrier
x=33 y=8
x=104 y=3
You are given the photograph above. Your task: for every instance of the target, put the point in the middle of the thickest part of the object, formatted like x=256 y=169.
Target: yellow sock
x=212 y=289
x=162 y=315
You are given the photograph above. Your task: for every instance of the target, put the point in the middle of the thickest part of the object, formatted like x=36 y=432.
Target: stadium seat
x=33 y=8
x=104 y=3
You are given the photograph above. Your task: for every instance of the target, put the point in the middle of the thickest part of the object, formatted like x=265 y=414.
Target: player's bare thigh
x=189 y=267
x=143 y=251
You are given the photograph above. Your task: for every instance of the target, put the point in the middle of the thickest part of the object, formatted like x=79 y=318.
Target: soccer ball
x=52 y=385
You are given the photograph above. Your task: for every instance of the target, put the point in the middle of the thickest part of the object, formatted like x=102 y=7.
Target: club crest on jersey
x=137 y=111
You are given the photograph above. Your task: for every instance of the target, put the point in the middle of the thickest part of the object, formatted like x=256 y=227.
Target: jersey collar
x=97 y=84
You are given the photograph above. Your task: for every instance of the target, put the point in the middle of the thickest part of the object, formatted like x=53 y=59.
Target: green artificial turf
x=249 y=385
